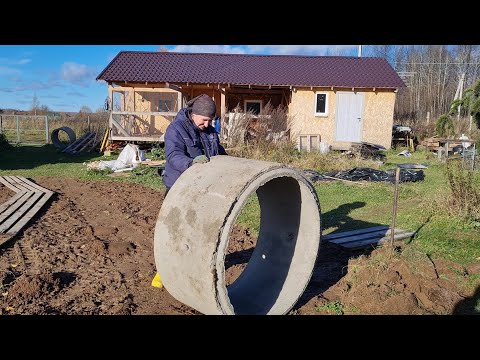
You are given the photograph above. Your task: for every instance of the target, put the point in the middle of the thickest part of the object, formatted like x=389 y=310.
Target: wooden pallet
x=16 y=212
x=366 y=237
x=79 y=145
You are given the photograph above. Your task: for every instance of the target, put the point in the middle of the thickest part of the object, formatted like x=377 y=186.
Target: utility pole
x=459 y=93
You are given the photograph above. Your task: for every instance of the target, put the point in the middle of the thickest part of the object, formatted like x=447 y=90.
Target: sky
x=62 y=77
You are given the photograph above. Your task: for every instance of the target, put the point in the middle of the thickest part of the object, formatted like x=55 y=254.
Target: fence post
x=46 y=129
x=18 y=130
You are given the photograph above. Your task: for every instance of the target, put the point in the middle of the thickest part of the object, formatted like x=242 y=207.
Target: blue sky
x=62 y=77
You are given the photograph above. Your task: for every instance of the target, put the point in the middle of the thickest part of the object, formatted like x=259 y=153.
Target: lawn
x=422 y=206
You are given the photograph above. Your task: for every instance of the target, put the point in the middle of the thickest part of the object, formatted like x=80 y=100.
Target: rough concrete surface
x=194 y=223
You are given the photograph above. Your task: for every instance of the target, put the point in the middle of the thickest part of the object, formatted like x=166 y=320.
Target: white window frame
x=252 y=101
x=321 y=114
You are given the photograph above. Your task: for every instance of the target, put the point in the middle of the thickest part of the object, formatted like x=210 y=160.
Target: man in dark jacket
x=190 y=138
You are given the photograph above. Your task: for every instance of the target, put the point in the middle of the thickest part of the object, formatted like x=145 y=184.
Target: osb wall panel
x=302 y=110
x=148 y=101
x=378 y=118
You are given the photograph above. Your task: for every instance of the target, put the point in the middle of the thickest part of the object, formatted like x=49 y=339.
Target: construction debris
x=89 y=141
x=373 y=236
x=368 y=174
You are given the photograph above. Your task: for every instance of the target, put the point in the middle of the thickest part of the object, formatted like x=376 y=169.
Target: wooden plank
x=89 y=142
x=7 y=184
x=355 y=232
x=27 y=186
x=376 y=234
x=28 y=216
x=77 y=143
x=139 y=138
x=363 y=243
x=12 y=208
x=10 y=201
x=14 y=183
x=41 y=188
x=139 y=88
x=20 y=212
x=119 y=127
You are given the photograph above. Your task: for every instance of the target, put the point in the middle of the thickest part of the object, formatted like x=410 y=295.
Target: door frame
x=337 y=102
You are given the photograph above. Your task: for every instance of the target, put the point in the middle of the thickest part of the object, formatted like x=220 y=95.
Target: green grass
x=32 y=161
x=332 y=307
x=421 y=207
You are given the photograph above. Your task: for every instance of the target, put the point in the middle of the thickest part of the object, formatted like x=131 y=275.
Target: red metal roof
x=236 y=69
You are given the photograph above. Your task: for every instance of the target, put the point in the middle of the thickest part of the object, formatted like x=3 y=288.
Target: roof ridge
x=256 y=55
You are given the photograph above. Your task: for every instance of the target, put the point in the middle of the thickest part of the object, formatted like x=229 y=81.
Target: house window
x=321 y=104
x=255 y=106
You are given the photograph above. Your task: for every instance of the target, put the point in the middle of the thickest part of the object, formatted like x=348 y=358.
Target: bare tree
x=35 y=104
x=85 y=109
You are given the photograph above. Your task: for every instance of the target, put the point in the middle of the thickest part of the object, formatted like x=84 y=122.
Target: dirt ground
x=90 y=251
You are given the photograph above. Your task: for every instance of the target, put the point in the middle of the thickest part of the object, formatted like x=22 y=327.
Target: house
x=333 y=99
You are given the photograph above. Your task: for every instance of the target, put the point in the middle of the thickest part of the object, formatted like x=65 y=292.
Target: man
x=190 y=138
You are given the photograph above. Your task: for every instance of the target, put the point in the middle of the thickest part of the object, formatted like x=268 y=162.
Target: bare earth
x=90 y=251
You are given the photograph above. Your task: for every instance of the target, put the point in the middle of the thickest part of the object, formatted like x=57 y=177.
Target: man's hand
x=200 y=159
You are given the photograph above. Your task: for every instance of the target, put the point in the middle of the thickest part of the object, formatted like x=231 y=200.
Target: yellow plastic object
x=157 y=282
x=104 y=141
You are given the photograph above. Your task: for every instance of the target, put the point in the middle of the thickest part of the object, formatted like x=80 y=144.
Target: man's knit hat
x=203 y=105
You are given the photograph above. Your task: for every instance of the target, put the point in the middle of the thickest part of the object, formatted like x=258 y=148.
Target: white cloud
x=8 y=71
x=268 y=49
x=32 y=85
x=76 y=93
x=8 y=61
x=24 y=61
x=221 y=49
x=300 y=49
x=51 y=96
x=75 y=73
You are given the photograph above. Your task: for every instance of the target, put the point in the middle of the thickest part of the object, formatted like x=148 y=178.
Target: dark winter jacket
x=183 y=142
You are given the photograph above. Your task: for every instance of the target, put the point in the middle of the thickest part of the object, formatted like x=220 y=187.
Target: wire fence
x=37 y=129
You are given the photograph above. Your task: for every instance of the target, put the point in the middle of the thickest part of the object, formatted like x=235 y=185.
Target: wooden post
x=88 y=122
x=179 y=101
x=222 y=105
x=473 y=156
x=394 y=211
x=46 y=129
x=18 y=130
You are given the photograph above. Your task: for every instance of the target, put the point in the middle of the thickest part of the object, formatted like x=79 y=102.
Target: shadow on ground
x=25 y=157
x=332 y=261
x=469 y=306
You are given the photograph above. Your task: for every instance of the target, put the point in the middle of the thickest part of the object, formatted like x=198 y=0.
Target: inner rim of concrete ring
x=287 y=246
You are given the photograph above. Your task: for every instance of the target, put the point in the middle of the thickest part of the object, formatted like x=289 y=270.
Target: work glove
x=200 y=159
